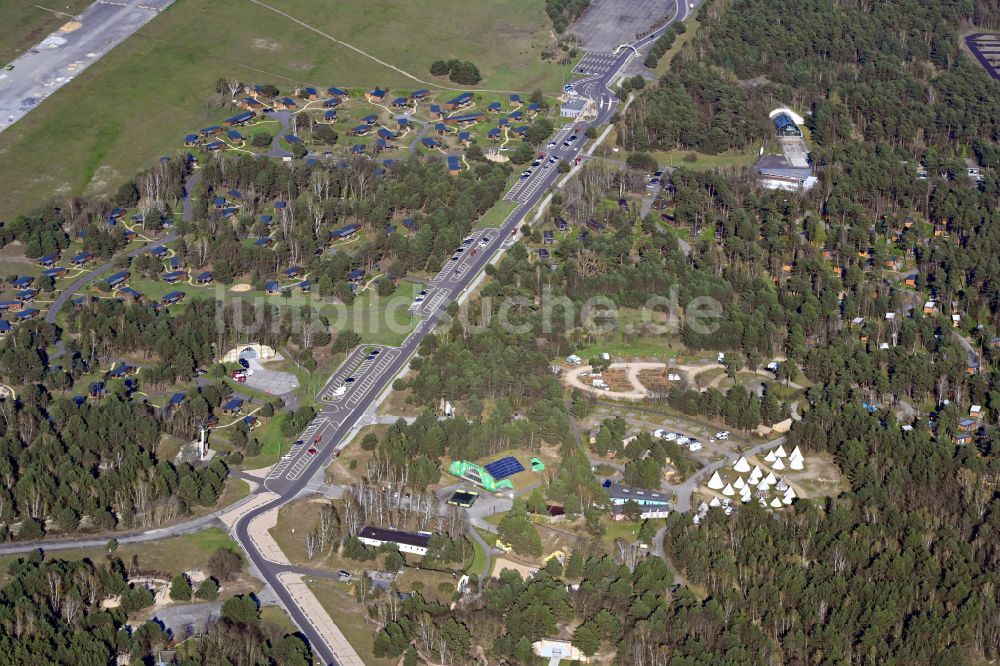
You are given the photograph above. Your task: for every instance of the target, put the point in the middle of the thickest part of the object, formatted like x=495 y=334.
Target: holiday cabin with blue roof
x=459 y=101
x=400 y=102
x=358 y=149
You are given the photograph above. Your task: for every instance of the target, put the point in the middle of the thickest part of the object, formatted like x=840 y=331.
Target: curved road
x=336 y=421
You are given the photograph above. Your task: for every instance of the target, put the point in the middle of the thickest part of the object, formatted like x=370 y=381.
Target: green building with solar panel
x=492 y=477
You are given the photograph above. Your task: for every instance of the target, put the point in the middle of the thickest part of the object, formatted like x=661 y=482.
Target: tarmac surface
x=60 y=57
x=608 y=23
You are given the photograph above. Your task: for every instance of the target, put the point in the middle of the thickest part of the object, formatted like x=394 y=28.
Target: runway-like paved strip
x=61 y=56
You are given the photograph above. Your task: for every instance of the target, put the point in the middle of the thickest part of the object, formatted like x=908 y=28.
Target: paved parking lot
x=595 y=63
x=270 y=381
x=608 y=23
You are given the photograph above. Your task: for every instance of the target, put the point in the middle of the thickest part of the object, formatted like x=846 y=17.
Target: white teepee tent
x=770 y=457
x=770 y=479
x=740 y=483
x=776 y=503
x=715 y=483
x=796 y=453
x=778 y=464
x=790 y=494
x=796 y=463
x=781 y=486
x=728 y=490
x=742 y=466
x=780 y=452
x=715 y=502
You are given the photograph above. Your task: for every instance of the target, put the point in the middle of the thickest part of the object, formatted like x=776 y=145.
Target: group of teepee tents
x=757 y=482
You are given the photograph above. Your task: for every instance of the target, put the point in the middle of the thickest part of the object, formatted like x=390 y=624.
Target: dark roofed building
x=407 y=542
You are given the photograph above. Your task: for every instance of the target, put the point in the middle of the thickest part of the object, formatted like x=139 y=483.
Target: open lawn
x=141 y=98
x=349 y=616
x=703 y=162
x=23 y=24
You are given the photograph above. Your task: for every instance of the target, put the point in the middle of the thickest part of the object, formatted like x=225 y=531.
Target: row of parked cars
x=690 y=442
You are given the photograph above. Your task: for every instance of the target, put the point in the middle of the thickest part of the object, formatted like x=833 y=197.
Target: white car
x=660 y=433
x=670 y=436
x=418 y=299
x=724 y=434
x=694 y=446
x=673 y=377
x=683 y=441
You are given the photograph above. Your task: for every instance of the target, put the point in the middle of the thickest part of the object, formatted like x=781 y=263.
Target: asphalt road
x=61 y=56
x=333 y=424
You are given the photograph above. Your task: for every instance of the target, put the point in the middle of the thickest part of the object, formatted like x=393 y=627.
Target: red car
x=312 y=451
x=336 y=454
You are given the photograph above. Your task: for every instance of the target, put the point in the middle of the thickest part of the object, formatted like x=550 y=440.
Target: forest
x=51 y=611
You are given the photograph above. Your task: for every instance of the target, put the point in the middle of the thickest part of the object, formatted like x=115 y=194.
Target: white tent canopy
x=796 y=463
x=715 y=502
x=740 y=483
x=742 y=465
x=715 y=483
x=770 y=479
x=776 y=503
x=728 y=490
x=769 y=457
x=796 y=453
x=780 y=452
x=778 y=464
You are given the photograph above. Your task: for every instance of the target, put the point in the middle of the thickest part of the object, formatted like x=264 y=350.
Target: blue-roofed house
x=520 y=131
x=503 y=122
x=286 y=103
x=211 y=131
x=440 y=128
x=117 y=213
x=533 y=109
x=386 y=134
x=204 y=278
x=561 y=224
x=176 y=400
x=251 y=103
x=120 y=370
x=117 y=279
x=361 y=130
x=216 y=146
x=390 y=229
x=371 y=118
x=331 y=103
x=159 y=251
x=292 y=139
x=304 y=286
x=292 y=272
x=56 y=272
x=309 y=93
x=358 y=149
x=410 y=223
x=234 y=406
x=330 y=116
x=279 y=205
x=436 y=110
x=376 y=95
x=25 y=315
x=26 y=295
x=174 y=276
x=430 y=142
x=262 y=242
x=267 y=219
x=515 y=115
x=454 y=166
x=81 y=258
x=465 y=118
x=357 y=275
x=23 y=281
x=459 y=101
x=191 y=140
x=10 y=306
x=173 y=297
x=4 y=327
x=516 y=100
x=219 y=202
x=494 y=107
x=400 y=102
x=175 y=262
x=235 y=136
x=388 y=163
x=380 y=145
x=272 y=287
x=420 y=94
x=250 y=421
x=543 y=254
x=465 y=137
x=97 y=389
x=345 y=232
x=336 y=92
x=403 y=123
x=493 y=134
x=239 y=119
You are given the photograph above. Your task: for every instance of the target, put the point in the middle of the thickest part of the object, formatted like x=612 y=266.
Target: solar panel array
x=501 y=469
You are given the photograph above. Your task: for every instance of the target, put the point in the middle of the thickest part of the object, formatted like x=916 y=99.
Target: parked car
x=245 y=363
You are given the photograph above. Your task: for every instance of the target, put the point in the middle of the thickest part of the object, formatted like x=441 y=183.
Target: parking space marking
x=366 y=384
x=357 y=363
x=429 y=306
x=315 y=427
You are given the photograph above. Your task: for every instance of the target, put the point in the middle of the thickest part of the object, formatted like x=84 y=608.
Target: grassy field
x=338 y=601
x=23 y=24
x=140 y=99
x=679 y=158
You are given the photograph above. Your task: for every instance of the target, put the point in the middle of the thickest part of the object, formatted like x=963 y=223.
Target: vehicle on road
x=340 y=392
x=455 y=258
x=349 y=380
x=553 y=143
x=474 y=250
x=311 y=451
x=298 y=442
x=336 y=453
x=9 y=67
x=418 y=299
x=484 y=241
x=245 y=363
